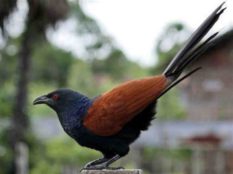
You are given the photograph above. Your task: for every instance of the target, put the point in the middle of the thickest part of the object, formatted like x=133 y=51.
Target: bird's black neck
x=73 y=115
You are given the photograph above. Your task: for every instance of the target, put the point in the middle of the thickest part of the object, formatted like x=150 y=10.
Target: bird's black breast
x=118 y=143
x=128 y=134
x=141 y=122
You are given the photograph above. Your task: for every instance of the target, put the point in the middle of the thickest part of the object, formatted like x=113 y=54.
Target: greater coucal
x=110 y=122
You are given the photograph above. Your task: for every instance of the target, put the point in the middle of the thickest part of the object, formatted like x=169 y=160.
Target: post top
x=120 y=171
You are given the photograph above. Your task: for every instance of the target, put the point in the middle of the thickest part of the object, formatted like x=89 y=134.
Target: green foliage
x=44 y=166
x=117 y=66
x=82 y=79
x=87 y=25
x=170 y=106
x=170 y=41
x=166 y=160
x=112 y=64
x=7 y=77
x=58 y=150
x=152 y=152
x=58 y=153
x=97 y=76
x=6 y=99
x=5 y=152
x=7 y=63
x=51 y=65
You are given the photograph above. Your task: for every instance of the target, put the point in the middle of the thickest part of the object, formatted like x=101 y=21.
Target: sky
x=137 y=24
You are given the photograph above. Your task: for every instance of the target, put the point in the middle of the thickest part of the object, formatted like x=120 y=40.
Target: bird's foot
x=91 y=166
x=115 y=168
x=95 y=162
x=102 y=164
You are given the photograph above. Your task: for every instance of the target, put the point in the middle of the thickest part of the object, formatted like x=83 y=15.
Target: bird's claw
x=102 y=164
x=92 y=168
x=115 y=168
x=97 y=167
x=88 y=165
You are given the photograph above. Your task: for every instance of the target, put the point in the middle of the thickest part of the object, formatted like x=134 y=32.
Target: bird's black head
x=61 y=99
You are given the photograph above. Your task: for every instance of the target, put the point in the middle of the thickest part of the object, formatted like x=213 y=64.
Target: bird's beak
x=41 y=100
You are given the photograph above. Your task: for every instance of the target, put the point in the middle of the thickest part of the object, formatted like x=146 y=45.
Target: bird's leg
x=103 y=164
x=95 y=162
x=91 y=164
x=110 y=161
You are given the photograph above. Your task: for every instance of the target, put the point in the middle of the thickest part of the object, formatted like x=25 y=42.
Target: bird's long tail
x=191 y=50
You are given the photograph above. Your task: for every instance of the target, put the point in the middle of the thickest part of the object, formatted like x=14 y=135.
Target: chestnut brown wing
x=112 y=110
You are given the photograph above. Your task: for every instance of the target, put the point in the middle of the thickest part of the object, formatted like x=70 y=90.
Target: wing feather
x=112 y=110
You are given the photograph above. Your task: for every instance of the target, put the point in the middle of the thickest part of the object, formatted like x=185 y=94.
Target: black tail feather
x=178 y=81
x=193 y=55
x=190 y=50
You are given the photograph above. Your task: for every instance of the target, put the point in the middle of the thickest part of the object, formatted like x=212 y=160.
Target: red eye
x=55 y=97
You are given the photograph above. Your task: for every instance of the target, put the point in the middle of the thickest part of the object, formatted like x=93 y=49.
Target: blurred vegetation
x=52 y=68
x=166 y=160
x=54 y=154
x=168 y=44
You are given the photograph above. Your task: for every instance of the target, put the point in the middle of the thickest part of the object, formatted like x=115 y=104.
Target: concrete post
x=121 y=171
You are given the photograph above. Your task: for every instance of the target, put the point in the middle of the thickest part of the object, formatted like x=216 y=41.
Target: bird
x=112 y=121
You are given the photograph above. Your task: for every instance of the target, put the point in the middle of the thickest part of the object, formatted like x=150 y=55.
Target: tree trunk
x=20 y=121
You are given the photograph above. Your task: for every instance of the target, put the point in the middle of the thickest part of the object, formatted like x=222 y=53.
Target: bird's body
x=110 y=122
x=87 y=120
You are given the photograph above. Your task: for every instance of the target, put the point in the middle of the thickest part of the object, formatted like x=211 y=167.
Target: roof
x=173 y=134
x=221 y=40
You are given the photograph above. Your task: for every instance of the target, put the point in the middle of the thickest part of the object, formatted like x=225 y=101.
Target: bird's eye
x=55 y=97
